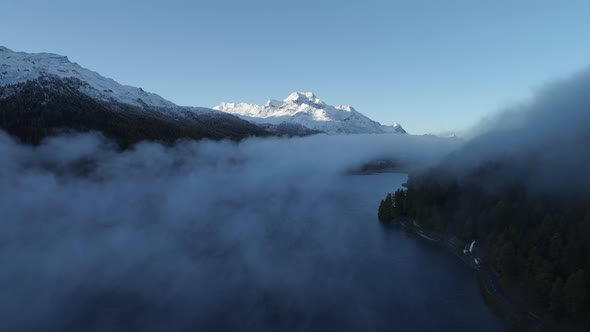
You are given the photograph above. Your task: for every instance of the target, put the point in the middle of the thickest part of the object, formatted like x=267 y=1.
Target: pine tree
x=385 y=209
x=399 y=203
x=575 y=294
x=556 y=297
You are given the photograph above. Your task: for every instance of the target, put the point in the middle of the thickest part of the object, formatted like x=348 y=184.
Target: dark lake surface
x=393 y=281
x=333 y=267
x=308 y=256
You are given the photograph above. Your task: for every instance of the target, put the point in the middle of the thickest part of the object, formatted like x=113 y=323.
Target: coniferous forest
x=537 y=244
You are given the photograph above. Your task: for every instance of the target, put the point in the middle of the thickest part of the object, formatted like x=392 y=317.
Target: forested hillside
x=538 y=244
x=34 y=110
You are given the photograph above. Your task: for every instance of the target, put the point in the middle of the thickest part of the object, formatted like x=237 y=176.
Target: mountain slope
x=41 y=94
x=307 y=110
x=17 y=67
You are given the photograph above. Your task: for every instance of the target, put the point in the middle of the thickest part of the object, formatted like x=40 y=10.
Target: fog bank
x=543 y=142
x=92 y=236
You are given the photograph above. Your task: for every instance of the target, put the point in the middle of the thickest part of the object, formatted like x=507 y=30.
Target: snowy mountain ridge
x=301 y=113
x=306 y=109
x=18 y=67
x=45 y=94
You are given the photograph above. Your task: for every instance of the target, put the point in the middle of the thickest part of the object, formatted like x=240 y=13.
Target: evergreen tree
x=556 y=297
x=534 y=242
x=399 y=203
x=468 y=230
x=385 y=213
x=575 y=294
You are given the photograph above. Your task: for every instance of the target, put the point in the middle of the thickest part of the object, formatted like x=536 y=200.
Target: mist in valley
x=197 y=234
x=205 y=234
x=541 y=144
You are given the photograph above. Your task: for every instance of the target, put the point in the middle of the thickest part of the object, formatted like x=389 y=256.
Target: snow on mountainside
x=305 y=109
x=18 y=67
x=45 y=94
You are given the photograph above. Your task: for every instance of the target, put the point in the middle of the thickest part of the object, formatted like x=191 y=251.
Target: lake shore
x=520 y=319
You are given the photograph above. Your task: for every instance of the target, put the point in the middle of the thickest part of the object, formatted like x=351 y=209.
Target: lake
x=392 y=280
x=302 y=255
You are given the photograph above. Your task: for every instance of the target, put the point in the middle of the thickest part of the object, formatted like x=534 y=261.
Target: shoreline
x=490 y=289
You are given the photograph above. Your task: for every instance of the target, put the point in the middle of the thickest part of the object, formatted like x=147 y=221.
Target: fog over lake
x=265 y=234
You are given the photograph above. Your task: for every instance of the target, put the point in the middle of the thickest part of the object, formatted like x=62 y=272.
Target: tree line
x=538 y=244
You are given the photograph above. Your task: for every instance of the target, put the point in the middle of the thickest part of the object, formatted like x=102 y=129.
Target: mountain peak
x=397 y=128
x=273 y=103
x=307 y=110
x=303 y=98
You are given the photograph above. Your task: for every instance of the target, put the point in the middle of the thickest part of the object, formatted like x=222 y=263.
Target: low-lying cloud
x=93 y=237
x=544 y=142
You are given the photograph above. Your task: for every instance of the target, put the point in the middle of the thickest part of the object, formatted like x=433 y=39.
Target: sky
x=432 y=66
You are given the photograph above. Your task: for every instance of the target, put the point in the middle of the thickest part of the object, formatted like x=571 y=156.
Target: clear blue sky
x=432 y=65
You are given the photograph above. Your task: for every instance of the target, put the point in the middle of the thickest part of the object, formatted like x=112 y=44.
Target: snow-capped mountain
x=305 y=109
x=44 y=93
x=17 y=67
